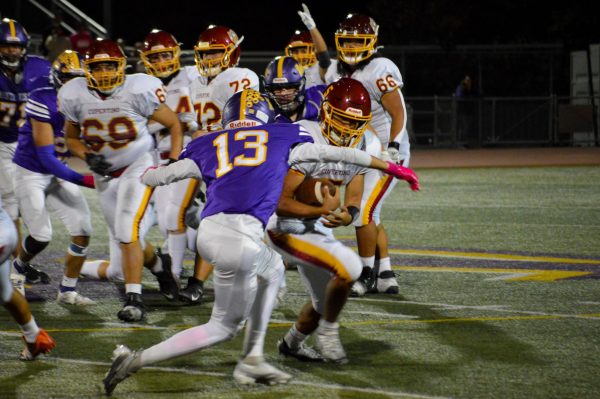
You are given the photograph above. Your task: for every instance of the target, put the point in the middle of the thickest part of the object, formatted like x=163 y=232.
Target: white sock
x=385 y=264
x=177 y=246
x=294 y=337
x=30 y=330
x=157 y=267
x=325 y=325
x=90 y=269
x=133 y=289
x=69 y=282
x=368 y=261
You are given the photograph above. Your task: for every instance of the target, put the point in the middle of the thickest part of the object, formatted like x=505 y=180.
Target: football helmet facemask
x=14 y=40
x=218 y=48
x=284 y=84
x=247 y=108
x=356 y=38
x=68 y=65
x=345 y=112
x=160 y=54
x=104 y=66
x=302 y=48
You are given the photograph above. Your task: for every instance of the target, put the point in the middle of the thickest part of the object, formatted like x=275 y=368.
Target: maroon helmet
x=217 y=39
x=160 y=53
x=105 y=51
x=356 y=38
x=345 y=112
x=302 y=48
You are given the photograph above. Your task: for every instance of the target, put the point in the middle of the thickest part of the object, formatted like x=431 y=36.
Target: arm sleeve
x=327 y=153
x=176 y=171
x=57 y=168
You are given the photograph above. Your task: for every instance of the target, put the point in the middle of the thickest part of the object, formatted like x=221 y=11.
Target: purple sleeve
x=57 y=168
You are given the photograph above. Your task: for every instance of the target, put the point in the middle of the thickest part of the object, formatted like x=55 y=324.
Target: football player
x=37 y=341
x=356 y=45
x=106 y=125
x=243 y=167
x=217 y=54
x=308 y=47
x=302 y=233
x=19 y=74
x=284 y=84
x=46 y=183
x=161 y=56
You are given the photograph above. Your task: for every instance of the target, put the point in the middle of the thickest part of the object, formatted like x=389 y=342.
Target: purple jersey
x=244 y=168
x=42 y=106
x=309 y=109
x=13 y=95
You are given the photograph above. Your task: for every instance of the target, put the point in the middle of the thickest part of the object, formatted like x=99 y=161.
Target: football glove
x=307 y=19
x=97 y=163
x=406 y=174
x=393 y=151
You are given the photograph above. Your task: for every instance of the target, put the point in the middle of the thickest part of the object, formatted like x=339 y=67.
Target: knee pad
x=6 y=288
x=33 y=246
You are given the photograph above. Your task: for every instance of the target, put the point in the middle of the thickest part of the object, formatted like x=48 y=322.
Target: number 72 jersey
x=209 y=98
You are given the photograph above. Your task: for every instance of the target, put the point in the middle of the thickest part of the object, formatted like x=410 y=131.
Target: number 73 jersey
x=209 y=98
x=115 y=126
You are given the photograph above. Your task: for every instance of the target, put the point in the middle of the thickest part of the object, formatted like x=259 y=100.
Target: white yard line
x=296 y=382
x=493 y=308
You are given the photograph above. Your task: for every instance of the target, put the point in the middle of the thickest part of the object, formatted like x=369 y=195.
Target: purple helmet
x=247 y=108
x=12 y=33
x=285 y=73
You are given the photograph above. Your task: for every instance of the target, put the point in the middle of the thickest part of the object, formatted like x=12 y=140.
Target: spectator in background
x=467 y=107
x=56 y=21
x=56 y=43
x=82 y=39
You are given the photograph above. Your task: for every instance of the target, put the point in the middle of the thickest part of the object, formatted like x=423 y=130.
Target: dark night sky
x=267 y=25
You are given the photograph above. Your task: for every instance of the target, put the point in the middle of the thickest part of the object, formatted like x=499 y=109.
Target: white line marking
x=493 y=308
x=589 y=303
x=393 y=315
x=228 y=375
x=508 y=276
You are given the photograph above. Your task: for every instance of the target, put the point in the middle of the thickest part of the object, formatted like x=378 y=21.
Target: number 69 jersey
x=209 y=98
x=115 y=126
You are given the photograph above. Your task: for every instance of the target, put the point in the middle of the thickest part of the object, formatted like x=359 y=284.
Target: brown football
x=311 y=191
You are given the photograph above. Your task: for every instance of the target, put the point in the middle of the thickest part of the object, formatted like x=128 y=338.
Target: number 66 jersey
x=114 y=126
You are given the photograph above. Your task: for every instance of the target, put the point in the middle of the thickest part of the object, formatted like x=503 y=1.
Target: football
x=311 y=191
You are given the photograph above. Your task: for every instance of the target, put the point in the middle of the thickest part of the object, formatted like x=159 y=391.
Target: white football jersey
x=209 y=98
x=179 y=99
x=312 y=75
x=379 y=76
x=116 y=126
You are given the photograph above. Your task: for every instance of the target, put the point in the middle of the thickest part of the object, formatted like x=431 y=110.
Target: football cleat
x=256 y=370
x=166 y=281
x=120 y=369
x=43 y=344
x=193 y=293
x=134 y=309
x=386 y=283
x=365 y=283
x=73 y=298
x=32 y=275
x=329 y=345
x=302 y=352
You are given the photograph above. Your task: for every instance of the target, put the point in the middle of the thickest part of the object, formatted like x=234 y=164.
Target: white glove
x=307 y=19
x=393 y=151
x=385 y=155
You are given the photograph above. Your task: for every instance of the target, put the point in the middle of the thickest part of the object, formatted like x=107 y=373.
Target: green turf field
x=500 y=298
